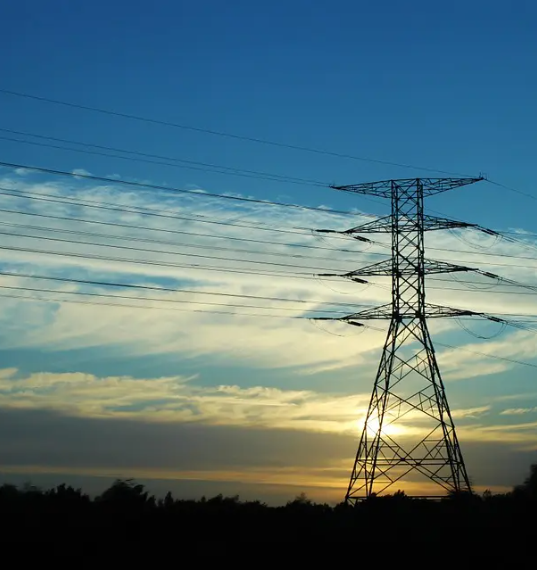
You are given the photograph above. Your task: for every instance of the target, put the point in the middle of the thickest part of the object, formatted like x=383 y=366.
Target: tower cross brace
x=408 y=385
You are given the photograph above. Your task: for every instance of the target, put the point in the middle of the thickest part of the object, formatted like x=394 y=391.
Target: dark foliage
x=126 y=515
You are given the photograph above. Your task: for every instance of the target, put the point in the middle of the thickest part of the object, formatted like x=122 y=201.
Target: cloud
x=471 y=360
x=184 y=400
x=166 y=327
x=46 y=442
x=470 y=412
x=508 y=397
x=522 y=435
x=81 y=172
x=518 y=411
x=179 y=331
x=178 y=399
x=67 y=325
x=34 y=443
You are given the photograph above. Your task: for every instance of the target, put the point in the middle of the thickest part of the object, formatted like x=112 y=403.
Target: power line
x=478 y=291
x=488 y=355
x=519 y=234
x=209 y=257
x=143 y=185
x=147 y=250
x=153 y=212
x=175 y=301
x=115 y=208
x=485 y=354
x=197 y=246
x=46 y=198
x=162 y=289
x=469 y=253
x=143 y=211
x=104 y=206
x=144 y=157
x=505 y=255
x=220 y=133
x=27 y=298
x=130 y=238
x=117 y=305
x=169 y=289
x=159 y=213
x=170 y=231
x=196 y=267
x=511 y=189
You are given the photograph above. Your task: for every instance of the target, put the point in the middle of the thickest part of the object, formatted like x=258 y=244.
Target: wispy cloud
x=81 y=172
x=470 y=412
x=184 y=400
x=518 y=411
x=253 y=340
x=179 y=399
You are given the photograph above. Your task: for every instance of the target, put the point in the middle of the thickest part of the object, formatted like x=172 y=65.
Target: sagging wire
x=519 y=242
x=318 y=277
x=480 y=336
x=478 y=286
x=520 y=325
x=319 y=280
x=501 y=279
x=341 y=235
x=314 y=321
x=457 y=235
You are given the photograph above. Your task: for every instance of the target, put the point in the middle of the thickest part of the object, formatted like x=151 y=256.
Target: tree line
x=126 y=511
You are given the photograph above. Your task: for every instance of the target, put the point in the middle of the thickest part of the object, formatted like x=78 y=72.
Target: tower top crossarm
x=384 y=188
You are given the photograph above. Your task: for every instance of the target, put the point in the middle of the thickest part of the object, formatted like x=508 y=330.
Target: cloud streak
x=253 y=340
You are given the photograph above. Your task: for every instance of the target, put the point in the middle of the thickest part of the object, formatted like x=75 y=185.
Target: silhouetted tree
x=528 y=489
x=126 y=493
x=126 y=511
x=300 y=500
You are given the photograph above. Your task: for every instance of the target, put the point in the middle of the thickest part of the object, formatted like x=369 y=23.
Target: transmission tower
x=408 y=384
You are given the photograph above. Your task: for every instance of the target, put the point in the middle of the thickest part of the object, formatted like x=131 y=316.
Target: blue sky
x=449 y=87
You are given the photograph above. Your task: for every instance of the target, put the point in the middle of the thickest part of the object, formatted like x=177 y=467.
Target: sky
x=267 y=404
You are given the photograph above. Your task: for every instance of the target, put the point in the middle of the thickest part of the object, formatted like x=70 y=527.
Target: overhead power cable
x=168 y=252
x=160 y=213
x=485 y=354
x=161 y=160
x=220 y=133
x=165 y=215
x=159 y=289
x=464 y=253
x=511 y=189
x=198 y=194
x=144 y=211
x=196 y=267
x=126 y=260
x=51 y=300
x=134 y=306
x=172 y=231
x=159 y=300
x=130 y=238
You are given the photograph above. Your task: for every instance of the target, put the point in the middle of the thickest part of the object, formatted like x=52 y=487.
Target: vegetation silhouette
x=127 y=513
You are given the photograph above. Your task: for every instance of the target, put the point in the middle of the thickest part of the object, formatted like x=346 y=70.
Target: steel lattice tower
x=408 y=384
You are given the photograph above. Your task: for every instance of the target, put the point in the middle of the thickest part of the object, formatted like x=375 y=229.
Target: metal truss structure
x=409 y=428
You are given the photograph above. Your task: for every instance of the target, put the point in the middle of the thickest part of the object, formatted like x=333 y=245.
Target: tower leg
x=408 y=430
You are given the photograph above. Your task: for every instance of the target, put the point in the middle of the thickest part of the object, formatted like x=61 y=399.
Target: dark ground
x=128 y=526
